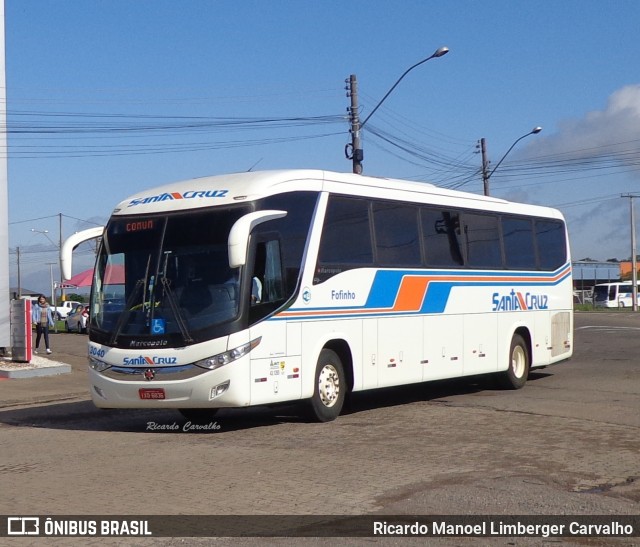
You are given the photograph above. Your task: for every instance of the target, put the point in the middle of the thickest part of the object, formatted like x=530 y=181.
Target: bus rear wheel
x=330 y=387
x=516 y=375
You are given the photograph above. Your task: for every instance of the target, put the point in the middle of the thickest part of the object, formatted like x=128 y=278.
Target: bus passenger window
x=441 y=235
x=519 y=249
x=346 y=238
x=482 y=240
x=552 y=243
x=397 y=237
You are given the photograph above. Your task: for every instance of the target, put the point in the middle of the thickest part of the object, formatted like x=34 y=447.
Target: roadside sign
x=64 y=286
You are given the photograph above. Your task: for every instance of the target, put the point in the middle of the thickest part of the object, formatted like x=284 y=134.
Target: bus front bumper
x=171 y=387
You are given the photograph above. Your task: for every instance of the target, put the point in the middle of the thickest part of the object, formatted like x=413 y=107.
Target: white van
x=613 y=295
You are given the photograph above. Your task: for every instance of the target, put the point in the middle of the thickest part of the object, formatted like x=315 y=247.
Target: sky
x=108 y=98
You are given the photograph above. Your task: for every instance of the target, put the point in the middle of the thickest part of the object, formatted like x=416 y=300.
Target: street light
x=45 y=233
x=356 y=153
x=485 y=163
x=53 y=294
x=53 y=286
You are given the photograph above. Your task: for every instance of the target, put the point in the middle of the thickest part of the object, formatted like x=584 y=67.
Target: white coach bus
x=265 y=287
x=613 y=295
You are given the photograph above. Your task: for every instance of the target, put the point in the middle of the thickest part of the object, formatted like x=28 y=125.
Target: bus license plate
x=147 y=393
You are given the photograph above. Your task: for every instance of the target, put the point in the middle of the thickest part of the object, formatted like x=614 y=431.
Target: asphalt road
x=567 y=443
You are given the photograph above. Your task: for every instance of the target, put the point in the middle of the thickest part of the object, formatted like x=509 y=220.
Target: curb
x=43 y=400
x=37 y=367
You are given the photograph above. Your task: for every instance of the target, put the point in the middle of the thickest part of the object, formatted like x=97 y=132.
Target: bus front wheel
x=516 y=375
x=330 y=387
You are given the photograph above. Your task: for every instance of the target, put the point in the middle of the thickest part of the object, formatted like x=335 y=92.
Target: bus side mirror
x=66 y=252
x=239 y=234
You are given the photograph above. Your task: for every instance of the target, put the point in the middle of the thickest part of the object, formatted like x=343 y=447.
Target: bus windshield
x=601 y=292
x=165 y=276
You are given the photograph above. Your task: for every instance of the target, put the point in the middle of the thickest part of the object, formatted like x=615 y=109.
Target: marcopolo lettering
x=148 y=344
x=515 y=301
x=170 y=196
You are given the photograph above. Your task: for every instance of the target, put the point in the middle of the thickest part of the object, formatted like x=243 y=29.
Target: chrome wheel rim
x=328 y=385
x=518 y=362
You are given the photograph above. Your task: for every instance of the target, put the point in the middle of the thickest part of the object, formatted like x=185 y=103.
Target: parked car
x=77 y=319
x=61 y=311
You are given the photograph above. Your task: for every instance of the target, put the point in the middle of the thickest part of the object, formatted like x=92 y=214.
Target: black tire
x=515 y=377
x=198 y=415
x=330 y=387
x=67 y=326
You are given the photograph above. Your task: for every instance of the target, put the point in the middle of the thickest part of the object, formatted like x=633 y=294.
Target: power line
x=32 y=219
x=54 y=134
x=53 y=216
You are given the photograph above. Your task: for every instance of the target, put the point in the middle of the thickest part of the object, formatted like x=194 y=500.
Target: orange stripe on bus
x=523 y=304
x=411 y=293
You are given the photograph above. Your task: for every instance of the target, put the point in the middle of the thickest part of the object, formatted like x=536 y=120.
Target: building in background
x=588 y=273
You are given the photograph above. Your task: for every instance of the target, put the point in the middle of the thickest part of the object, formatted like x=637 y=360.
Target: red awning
x=114 y=276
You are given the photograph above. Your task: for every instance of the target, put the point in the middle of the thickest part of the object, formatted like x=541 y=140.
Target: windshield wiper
x=127 y=310
x=182 y=325
x=168 y=292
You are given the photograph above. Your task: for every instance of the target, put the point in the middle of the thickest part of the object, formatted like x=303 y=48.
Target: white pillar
x=5 y=333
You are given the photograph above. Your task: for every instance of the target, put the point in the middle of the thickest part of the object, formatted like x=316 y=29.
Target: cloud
x=601 y=231
x=594 y=159
x=614 y=130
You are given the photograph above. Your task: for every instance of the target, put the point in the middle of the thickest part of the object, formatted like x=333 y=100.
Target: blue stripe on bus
x=386 y=286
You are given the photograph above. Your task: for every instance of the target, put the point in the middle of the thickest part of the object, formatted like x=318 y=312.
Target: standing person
x=42 y=316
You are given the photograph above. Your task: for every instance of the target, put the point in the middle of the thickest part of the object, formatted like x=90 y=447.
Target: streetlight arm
x=45 y=233
x=438 y=53
x=532 y=132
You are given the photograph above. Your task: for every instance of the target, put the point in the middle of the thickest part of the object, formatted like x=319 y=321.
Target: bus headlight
x=227 y=357
x=98 y=365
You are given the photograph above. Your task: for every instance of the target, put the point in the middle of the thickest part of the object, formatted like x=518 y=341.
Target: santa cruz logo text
x=514 y=301
x=190 y=194
x=150 y=360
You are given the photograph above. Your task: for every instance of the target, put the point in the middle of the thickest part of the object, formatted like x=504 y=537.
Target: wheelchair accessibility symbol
x=157 y=326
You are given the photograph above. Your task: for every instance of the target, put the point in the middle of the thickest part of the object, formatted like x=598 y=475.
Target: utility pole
x=19 y=280
x=60 y=256
x=485 y=166
x=634 y=265
x=353 y=151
